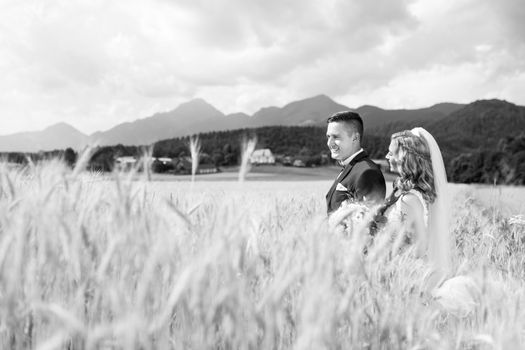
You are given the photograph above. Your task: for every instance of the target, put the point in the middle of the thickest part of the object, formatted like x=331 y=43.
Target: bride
x=417 y=209
x=415 y=217
x=419 y=203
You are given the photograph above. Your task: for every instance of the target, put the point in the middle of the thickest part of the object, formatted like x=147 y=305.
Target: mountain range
x=197 y=116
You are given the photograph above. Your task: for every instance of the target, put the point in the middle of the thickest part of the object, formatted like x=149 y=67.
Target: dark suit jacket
x=362 y=179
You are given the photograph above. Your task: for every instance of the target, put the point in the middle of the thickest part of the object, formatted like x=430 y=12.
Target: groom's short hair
x=352 y=119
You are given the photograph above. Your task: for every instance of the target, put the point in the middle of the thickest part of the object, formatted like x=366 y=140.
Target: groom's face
x=341 y=140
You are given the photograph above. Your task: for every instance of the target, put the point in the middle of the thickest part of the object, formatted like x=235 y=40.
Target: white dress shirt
x=349 y=159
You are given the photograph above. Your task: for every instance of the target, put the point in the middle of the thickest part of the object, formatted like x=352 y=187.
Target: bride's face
x=394 y=160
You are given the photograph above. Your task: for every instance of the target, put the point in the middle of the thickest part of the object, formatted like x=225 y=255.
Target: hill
x=483 y=142
x=57 y=136
x=310 y=111
x=481 y=124
x=198 y=116
x=385 y=122
x=180 y=121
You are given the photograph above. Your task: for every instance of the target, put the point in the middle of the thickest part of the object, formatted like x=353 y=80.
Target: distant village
x=183 y=165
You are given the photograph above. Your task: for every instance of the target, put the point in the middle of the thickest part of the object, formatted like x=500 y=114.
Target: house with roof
x=125 y=163
x=182 y=165
x=163 y=160
x=262 y=156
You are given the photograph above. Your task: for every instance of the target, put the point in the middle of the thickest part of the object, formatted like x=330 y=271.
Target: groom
x=360 y=179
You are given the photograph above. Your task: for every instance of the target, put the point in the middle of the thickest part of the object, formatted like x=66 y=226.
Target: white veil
x=439 y=238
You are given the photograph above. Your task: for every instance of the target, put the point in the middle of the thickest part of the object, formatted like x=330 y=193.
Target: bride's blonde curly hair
x=415 y=164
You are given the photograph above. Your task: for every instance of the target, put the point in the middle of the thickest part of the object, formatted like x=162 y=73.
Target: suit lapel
x=350 y=165
x=348 y=168
x=332 y=189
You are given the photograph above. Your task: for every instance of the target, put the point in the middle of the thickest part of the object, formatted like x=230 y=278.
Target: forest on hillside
x=484 y=142
x=224 y=147
x=503 y=163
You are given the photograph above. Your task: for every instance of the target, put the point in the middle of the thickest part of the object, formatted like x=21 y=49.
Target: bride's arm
x=414 y=221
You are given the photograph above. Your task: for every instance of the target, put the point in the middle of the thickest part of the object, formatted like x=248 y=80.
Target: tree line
x=221 y=148
x=504 y=164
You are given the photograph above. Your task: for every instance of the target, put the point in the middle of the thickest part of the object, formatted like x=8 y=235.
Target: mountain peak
x=445 y=108
x=61 y=127
x=318 y=99
x=321 y=97
x=368 y=109
x=196 y=100
x=444 y=104
x=197 y=105
x=491 y=103
x=318 y=102
x=309 y=111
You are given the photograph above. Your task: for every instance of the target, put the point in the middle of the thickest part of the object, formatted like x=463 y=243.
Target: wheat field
x=108 y=262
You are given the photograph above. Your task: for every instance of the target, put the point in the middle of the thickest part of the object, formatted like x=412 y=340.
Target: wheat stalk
x=195 y=149
x=114 y=263
x=247 y=148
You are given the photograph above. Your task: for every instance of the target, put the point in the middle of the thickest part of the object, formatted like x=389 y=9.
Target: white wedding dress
x=458 y=294
x=396 y=213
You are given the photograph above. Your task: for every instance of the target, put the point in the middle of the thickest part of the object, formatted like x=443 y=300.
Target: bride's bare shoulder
x=412 y=201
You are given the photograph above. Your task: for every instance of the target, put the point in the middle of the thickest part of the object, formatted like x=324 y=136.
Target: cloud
x=511 y=17
x=95 y=63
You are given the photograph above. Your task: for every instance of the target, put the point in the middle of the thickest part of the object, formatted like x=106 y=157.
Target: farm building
x=163 y=160
x=126 y=160
x=183 y=166
x=207 y=169
x=299 y=163
x=262 y=156
x=287 y=160
x=125 y=163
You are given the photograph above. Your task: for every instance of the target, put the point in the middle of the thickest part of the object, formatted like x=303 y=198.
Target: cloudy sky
x=95 y=63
